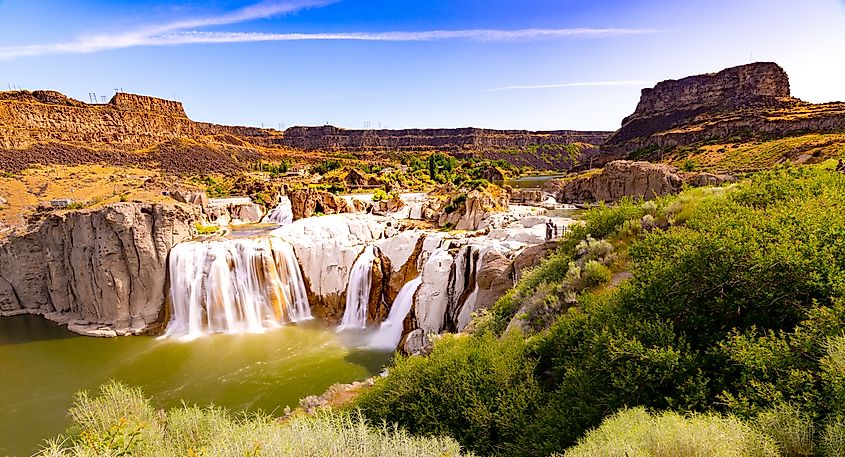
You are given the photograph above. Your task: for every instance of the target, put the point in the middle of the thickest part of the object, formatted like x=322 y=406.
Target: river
x=42 y=365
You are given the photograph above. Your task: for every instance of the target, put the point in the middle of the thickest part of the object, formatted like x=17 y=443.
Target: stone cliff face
x=128 y=122
x=102 y=272
x=623 y=178
x=748 y=100
x=463 y=139
x=49 y=120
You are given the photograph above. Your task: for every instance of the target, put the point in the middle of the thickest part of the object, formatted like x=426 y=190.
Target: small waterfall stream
x=282 y=214
x=358 y=291
x=389 y=333
x=236 y=285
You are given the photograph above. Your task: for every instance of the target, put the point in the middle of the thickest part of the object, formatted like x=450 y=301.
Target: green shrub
x=478 y=389
x=455 y=203
x=594 y=274
x=379 y=195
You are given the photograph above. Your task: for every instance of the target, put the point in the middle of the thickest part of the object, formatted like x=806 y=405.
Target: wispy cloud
x=577 y=84
x=480 y=35
x=186 y=31
x=152 y=34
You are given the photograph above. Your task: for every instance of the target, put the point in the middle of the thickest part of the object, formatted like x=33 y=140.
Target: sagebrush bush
x=635 y=432
x=790 y=429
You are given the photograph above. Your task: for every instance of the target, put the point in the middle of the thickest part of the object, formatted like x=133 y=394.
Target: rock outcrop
x=465 y=211
x=127 y=122
x=102 y=272
x=739 y=103
x=307 y=202
x=464 y=139
x=618 y=179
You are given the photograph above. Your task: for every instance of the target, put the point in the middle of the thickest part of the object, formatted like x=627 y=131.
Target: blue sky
x=529 y=64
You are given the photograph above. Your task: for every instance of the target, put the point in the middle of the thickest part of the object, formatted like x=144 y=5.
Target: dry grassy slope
x=736 y=157
x=91 y=185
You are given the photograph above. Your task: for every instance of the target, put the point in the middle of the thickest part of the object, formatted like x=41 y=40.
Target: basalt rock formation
x=48 y=127
x=623 y=178
x=102 y=272
x=462 y=139
x=618 y=179
x=128 y=122
x=739 y=103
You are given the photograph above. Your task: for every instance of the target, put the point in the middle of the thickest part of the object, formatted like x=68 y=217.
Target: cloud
x=185 y=32
x=151 y=34
x=479 y=35
x=577 y=84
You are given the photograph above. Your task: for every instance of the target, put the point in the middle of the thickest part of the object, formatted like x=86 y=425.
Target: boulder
x=466 y=211
x=247 y=213
x=702 y=179
x=494 y=278
x=389 y=205
x=620 y=178
x=307 y=202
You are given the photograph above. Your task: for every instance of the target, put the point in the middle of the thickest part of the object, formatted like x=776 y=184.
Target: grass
x=121 y=422
x=636 y=432
x=753 y=156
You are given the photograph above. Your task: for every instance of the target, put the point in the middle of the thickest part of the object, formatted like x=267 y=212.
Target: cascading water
x=234 y=286
x=358 y=290
x=282 y=214
x=390 y=332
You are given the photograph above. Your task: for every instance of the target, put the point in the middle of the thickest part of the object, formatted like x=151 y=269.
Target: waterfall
x=358 y=291
x=282 y=214
x=390 y=332
x=237 y=285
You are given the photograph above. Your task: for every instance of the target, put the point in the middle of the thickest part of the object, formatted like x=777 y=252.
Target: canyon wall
x=102 y=271
x=748 y=101
x=135 y=122
x=128 y=122
x=461 y=139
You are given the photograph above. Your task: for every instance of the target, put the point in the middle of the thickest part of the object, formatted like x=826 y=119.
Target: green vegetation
x=379 y=195
x=326 y=166
x=669 y=434
x=206 y=229
x=121 y=422
x=735 y=310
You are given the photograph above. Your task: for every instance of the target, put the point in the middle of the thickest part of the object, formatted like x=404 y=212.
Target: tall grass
x=635 y=432
x=121 y=422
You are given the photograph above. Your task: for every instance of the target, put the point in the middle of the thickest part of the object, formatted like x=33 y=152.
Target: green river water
x=42 y=365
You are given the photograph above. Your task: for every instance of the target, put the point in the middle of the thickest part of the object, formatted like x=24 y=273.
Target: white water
x=237 y=285
x=390 y=332
x=358 y=291
x=282 y=214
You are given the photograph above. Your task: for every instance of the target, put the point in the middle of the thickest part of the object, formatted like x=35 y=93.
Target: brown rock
x=620 y=178
x=306 y=202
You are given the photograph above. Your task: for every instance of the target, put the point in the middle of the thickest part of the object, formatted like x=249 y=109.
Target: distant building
x=61 y=202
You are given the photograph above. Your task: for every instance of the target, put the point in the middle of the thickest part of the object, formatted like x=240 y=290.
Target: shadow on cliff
x=28 y=329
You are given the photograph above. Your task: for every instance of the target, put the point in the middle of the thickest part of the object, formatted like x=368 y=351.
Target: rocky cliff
x=102 y=272
x=462 y=139
x=48 y=127
x=623 y=178
x=128 y=122
x=735 y=104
